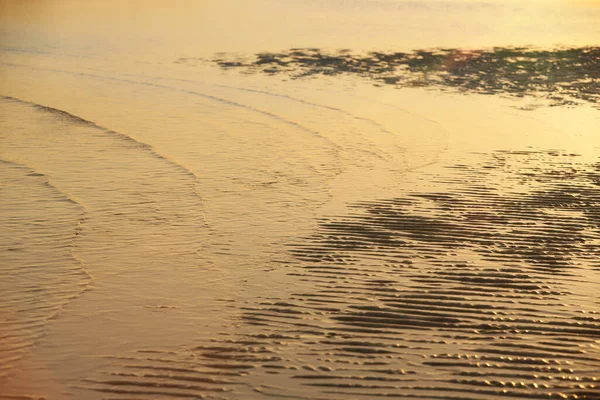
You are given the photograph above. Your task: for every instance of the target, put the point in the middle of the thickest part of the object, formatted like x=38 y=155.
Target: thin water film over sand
x=187 y=212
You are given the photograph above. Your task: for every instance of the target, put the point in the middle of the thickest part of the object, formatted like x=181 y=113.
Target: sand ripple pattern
x=78 y=201
x=485 y=288
x=482 y=283
x=39 y=273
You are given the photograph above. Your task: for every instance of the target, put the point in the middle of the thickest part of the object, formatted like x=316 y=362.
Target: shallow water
x=297 y=201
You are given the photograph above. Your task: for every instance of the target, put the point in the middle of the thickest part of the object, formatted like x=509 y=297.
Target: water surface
x=311 y=200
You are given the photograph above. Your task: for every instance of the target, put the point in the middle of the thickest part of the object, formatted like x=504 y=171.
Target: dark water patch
x=561 y=77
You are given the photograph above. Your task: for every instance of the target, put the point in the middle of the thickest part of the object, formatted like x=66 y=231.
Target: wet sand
x=306 y=223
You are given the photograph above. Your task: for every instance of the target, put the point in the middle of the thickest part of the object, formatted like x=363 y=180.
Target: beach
x=307 y=200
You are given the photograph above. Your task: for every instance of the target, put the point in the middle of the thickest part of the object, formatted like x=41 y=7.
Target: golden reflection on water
x=175 y=229
x=202 y=27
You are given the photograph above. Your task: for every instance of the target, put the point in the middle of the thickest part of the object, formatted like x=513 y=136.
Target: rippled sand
x=305 y=223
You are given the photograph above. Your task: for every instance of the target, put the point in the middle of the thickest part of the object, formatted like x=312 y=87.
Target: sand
x=323 y=214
